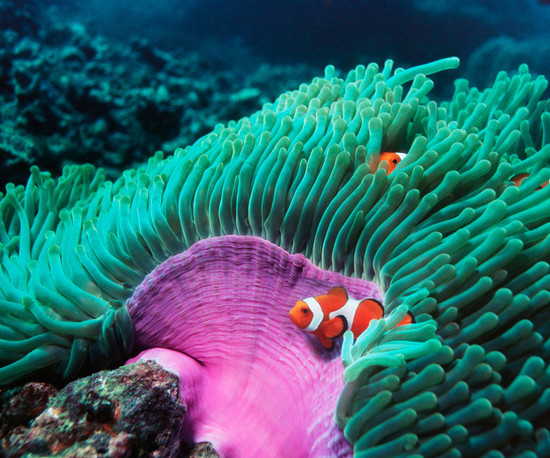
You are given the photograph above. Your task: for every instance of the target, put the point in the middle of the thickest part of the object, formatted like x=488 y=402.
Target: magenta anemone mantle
x=253 y=383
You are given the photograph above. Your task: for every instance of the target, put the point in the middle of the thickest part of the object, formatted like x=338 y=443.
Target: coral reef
x=447 y=235
x=23 y=17
x=69 y=97
x=20 y=405
x=130 y=412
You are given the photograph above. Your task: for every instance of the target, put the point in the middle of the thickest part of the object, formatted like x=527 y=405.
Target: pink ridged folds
x=254 y=384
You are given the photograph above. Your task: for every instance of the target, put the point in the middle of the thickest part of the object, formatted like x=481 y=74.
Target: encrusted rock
x=131 y=411
x=201 y=450
x=19 y=406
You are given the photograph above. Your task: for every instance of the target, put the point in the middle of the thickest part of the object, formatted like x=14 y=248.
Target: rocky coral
x=133 y=411
x=70 y=97
x=21 y=405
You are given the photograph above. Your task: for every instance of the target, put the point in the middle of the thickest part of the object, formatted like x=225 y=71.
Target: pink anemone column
x=254 y=384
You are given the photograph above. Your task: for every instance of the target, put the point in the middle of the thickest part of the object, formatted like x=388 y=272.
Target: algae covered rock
x=132 y=411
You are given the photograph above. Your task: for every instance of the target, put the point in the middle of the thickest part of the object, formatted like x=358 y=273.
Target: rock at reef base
x=133 y=411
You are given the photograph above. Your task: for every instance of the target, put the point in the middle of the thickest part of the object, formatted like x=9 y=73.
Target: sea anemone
x=447 y=234
x=253 y=383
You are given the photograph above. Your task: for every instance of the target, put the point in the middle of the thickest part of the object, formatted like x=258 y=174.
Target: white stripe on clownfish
x=317 y=311
x=348 y=311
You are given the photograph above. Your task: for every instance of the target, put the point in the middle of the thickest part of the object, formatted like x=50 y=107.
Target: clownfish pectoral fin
x=408 y=319
x=335 y=327
x=338 y=291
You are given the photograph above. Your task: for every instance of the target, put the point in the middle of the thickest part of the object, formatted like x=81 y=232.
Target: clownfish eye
x=395 y=161
x=304 y=310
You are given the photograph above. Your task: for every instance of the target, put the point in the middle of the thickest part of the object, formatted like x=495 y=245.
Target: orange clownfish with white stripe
x=517 y=180
x=392 y=159
x=329 y=316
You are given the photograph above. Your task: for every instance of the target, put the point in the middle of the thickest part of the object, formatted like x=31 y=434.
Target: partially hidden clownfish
x=517 y=179
x=392 y=159
x=329 y=316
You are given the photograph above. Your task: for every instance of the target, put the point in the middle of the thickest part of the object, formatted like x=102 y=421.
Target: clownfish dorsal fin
x=335 y=327
x=338 y=291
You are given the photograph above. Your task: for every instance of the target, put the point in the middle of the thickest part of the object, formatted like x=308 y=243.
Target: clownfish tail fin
x=408 y=319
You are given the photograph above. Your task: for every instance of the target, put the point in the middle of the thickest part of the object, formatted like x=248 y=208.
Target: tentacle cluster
x=446 y=233
x=53 y=312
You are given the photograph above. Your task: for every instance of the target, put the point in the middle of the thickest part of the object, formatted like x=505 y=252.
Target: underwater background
x=176 y=175
x=110 y=82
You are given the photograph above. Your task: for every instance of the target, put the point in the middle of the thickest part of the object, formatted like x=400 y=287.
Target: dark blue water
x=341 y=32
x=110 y=82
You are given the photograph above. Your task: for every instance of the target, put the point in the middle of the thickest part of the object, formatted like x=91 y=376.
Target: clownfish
x=392 y=159
x=329 y=316
x=517 y=179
